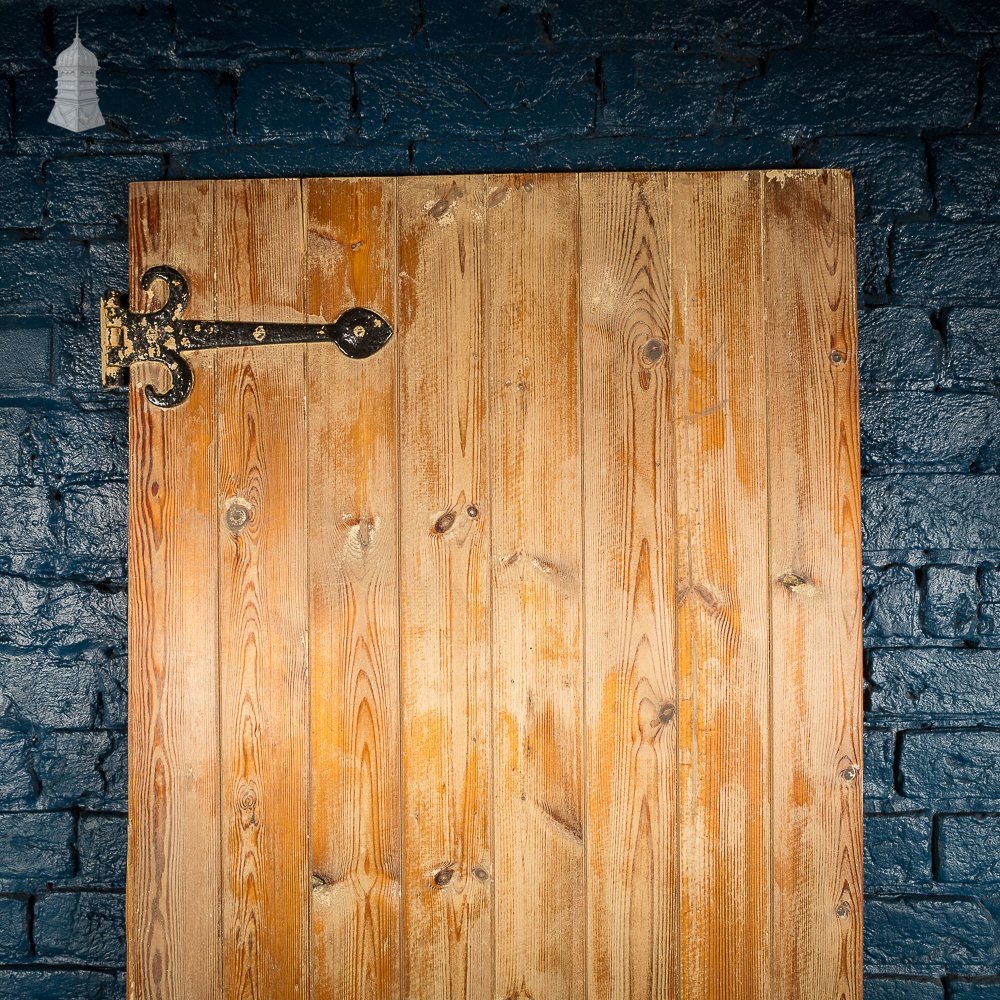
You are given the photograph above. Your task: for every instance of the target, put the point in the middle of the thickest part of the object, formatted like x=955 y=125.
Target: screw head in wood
x=472 y=510
x=849 y=773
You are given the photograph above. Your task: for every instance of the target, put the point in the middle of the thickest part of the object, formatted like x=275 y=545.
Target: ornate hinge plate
x=164 y=336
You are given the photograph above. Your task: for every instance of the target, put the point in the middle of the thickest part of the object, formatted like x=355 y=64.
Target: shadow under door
x=521 y=658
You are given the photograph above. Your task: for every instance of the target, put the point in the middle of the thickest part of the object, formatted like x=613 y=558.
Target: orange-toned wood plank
x=173 y=851
x=815 y=529
x=628 y=491
x=534 y=355
x=722 y=589
x=444 y=591
x=263 y=598
x=353 y=585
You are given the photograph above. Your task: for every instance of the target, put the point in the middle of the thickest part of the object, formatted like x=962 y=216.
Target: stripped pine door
x=521 y=659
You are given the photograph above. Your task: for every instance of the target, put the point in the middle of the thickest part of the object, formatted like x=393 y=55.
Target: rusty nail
x=444 y=522
x=443 y=877
x=837 y=357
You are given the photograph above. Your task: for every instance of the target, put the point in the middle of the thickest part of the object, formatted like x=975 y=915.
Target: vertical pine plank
x=533 y=248
x=354 y=600
x=722 y=591
x=815 y=586
x=629 y=586
x=444 y=591
x=262 y=603
x=173 y=947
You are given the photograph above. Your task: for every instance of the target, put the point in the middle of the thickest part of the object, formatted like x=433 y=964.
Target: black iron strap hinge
x=164 y=336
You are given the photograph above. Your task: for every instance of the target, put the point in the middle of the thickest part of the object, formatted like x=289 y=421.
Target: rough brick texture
x=906 y=95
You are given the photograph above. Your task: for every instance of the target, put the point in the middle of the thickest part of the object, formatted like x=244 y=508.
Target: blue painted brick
x=40 y=277
x=294 y=101
x=18 y=789
x=935 y=682
x=13 y=930
x=69 y=767
x=967 y=175
x=872 y=20
x=487 y=97
x=101 y=849
x=951 y=601
x=135 y=33
x=96 y=520
x=34 y=849
x=879 y=750
x=897 y=851
x=56 y=984
x=64 y=613
x=26 y=520
x=21 y=42
x=6 y=116
x=944 y=264
x=990 y=111
x=49 y=688
x=964 y=989
x=809 y=91
x=951 y=764
x=665 y=95
x=974 y=345
x=947 y=431
x=93 y=190
x=873 y=233
x=22 y=195
x=179 y=106
x=938 y=512
x=969 y=850
x=890 y=602
x=58 y=446
x=928 y=936
x=299 y=160
x=902 y=989
x=897 y=346
x=25 y=351
x=889 y=174
x=485 y=25
x=82 y=927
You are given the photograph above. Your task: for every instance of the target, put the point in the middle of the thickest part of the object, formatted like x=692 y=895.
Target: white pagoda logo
x=76 y=92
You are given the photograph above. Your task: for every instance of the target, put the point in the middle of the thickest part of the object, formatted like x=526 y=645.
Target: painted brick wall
x=905 y=94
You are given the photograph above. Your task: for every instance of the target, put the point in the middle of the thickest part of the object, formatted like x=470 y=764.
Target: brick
x=946 y=263
x=967 y=175
x=873 y=233
x=950 y=431
x=290 y=101
x=57 y=446
x=299 y=160
x=990 y=111
x=41 y=688
x=890 y=602
x=897 y=347
x=178 y=105
x=22 y=195
x=970 y=990
x=870 y=19
x=129 y=33
x=493 y=97
x=889 y=174
x=93 y=190
x=55 y=984
x=13 y=930
x=808 y=91
x=84 y=927
x=21 y=43
x=302 y=26
x=25 y=351
x=935 y=682
x=33 y=614
x=902 y=989
x=6 y=117
x=101 y=848
x=17 y=787
x=897 y=851
x=879 y=752
x=40 y=277
x=951 y=600
x=951 y=764
x=78 y=365
x=484 y=25
x=660 y=94
x=106 y=267
x=974 y=345
x=34 y=849
x=928 y=936
x=25 y=519
x=936 y=512
x=70 y=768
x=969 y=850
x=96 y=520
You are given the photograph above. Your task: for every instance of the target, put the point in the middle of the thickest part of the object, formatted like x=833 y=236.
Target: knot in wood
x=666 y=713
x=444 y=522
x=838 y=357
x=844 y=910
x=481 y=873
x=237 y=516
x=849 y=773
x=652 y=351
x=443 y=877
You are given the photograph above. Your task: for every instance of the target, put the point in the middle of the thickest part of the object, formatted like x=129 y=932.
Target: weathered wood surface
x=533 y=670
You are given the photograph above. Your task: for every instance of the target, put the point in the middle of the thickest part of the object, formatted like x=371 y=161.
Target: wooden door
x=521 y=659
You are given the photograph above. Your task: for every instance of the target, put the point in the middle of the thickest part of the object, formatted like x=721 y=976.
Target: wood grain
x=815 y=586
x=722 y=605
x=445 y=590
x=354 y=600
x=533 y=249
x=628 y=519
x=173 y=948
x=263 y=610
